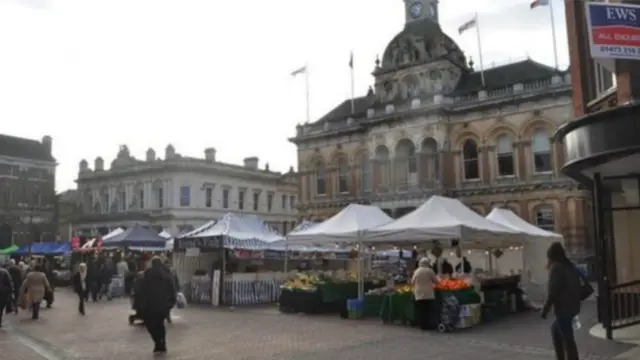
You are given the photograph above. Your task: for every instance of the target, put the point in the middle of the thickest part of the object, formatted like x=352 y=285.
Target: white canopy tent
x=347 y=226
x=442 y=218
x=240 y=231
x=534 y=250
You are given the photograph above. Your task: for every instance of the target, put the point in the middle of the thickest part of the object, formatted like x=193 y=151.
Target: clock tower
x=421 y=9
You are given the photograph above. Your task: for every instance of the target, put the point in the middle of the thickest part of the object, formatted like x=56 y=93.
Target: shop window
x=343 y=176
x=504 y=151
x=541 y=149
x=545 y=218
x=470 y=160
x=321 y=181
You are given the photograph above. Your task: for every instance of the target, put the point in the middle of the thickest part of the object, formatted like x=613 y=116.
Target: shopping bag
x=181 y=301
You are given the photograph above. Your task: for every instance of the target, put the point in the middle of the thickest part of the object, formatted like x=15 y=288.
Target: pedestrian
x=176 y=282
x=80 y=286
x=564 y=295
x=6 y=291
x=16 y=278
x=93 y=279
x=33 y=290
x=156 y=298
x=423 y=281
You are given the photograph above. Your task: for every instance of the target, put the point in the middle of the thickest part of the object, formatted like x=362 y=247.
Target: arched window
x=470 y=160
x=343 y=176
x=382 y=164
x=429 y=166
x=541 y=149
x=321 y=179
x=406 y=166
x=365 y=172
x=545 y=218
x=504 y=152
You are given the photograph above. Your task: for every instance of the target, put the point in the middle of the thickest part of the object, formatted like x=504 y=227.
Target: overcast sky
x=95 y=74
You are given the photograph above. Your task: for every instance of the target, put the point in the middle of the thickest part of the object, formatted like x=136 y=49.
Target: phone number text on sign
x=615 y=51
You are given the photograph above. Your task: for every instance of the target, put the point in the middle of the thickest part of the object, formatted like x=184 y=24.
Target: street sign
x=614 y=30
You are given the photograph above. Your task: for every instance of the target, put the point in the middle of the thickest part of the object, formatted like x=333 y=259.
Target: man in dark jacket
x=156 y=298
x=16 y=278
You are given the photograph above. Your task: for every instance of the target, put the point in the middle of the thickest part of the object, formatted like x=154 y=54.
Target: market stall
x=534 y=251
x=347 y=226
x=444 y=222
x=211 y=252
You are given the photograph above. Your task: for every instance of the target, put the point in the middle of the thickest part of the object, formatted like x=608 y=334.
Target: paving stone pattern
x=264 y=333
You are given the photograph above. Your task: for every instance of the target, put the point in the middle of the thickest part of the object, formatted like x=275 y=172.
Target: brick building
x=602 y=152
x=432 y=124
x=27 y=190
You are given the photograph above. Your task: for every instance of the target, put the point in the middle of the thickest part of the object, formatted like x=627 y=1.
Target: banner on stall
x=614 y=30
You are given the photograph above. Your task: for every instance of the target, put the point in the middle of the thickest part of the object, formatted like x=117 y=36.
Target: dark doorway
x=6 y=236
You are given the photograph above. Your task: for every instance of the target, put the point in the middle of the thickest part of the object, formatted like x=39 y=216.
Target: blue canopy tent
x=136 y=238
x=45 y=248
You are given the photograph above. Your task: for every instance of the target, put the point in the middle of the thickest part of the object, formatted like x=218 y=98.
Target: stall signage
x=200 y=243
x=614 y=30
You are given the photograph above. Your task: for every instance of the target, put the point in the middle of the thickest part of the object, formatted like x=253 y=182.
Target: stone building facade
x=27 y=190
x=178 y=193
x=432 y=124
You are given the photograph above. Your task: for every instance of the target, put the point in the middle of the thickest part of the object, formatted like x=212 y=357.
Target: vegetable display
x=452 y=285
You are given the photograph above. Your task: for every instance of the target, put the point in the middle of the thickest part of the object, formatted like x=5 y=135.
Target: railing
x=624 y=305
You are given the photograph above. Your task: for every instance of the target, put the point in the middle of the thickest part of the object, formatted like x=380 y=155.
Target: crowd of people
x=152 y=287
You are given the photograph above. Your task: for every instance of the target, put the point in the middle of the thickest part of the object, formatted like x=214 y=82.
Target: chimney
x=46 y=142
x=151 y=155
x=210 y=154
x=98 y=164
x=84 y=166
x=169 y=152
x=251 y=162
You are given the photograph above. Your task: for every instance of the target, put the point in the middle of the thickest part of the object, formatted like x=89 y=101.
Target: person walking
x=16 y=277
x=80 y=286
x=6 y=291
x=33 y=290
x=564 y=295
x=423 y=281
x=156 y=297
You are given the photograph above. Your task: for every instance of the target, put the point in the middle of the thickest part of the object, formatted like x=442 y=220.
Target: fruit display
x=452 y=285
x=304 y=282
x=398 y=289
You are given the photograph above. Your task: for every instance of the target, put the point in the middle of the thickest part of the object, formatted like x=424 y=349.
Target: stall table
x=325 y=298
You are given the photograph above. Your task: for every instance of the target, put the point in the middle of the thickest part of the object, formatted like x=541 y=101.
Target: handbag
x=586 y=290
x=181 y=300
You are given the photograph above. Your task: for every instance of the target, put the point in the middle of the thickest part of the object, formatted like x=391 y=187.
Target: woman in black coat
x=156 y=297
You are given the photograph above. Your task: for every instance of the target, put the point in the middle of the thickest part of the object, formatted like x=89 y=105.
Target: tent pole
x=286 y=255
x=360 y=267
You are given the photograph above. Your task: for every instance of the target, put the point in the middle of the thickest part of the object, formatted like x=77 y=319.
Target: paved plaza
x=264 y=333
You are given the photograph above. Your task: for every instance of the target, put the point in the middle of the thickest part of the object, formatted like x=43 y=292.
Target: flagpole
x=480 y=51
x=306 y=74
x=353 y=86
x=553 y=35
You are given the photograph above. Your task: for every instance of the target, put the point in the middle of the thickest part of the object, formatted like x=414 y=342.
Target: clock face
x=416 y=10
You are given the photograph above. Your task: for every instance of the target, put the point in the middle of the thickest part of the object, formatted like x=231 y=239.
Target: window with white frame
x=185 y=196
x=604 y=79
x=208 y=197
x=504 y=153
x=225 y=198
x=541 y=149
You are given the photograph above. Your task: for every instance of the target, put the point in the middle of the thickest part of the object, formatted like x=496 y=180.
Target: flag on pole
x=468 y=25
x=299 y=71
x=353 y=103
x=537 y=3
